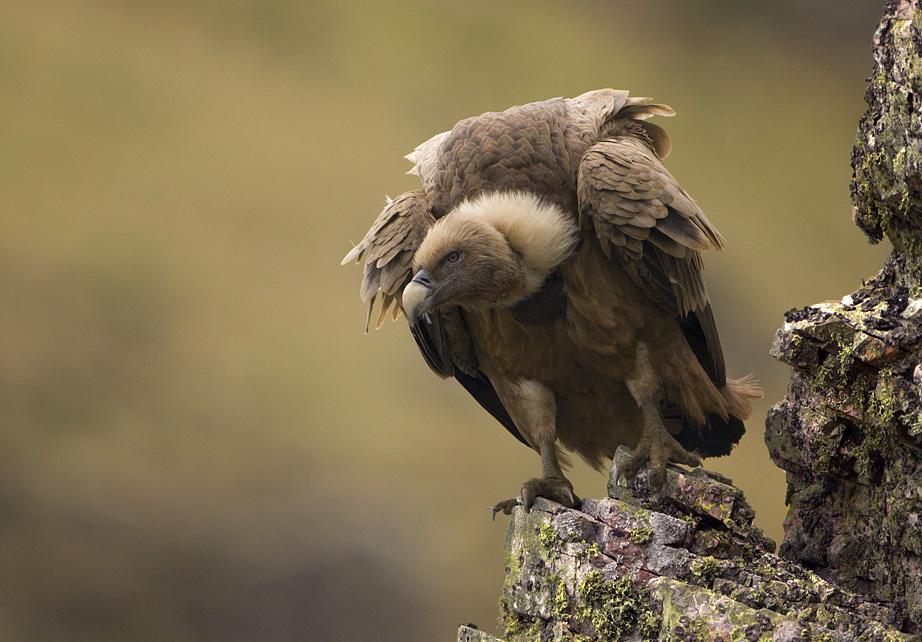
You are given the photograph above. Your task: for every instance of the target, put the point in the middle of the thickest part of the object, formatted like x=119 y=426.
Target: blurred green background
x=196 y=440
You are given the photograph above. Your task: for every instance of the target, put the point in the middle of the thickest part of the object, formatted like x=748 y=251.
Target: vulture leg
x=533 y=408
x=551 y=485
x=657 y=447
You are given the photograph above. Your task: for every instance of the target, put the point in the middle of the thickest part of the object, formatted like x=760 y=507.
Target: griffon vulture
x=552 y=265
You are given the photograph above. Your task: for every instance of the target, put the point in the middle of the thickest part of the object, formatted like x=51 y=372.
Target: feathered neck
x=540 y=233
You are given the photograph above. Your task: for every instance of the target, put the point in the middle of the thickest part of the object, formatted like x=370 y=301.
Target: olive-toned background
x=196 y=440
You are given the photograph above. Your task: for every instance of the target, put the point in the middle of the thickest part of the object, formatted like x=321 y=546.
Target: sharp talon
x=504 y=507
x=528 y=497
x=556 y=489
x=573 y=499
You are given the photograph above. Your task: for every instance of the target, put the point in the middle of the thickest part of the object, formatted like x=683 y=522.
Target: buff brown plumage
x=552 y=265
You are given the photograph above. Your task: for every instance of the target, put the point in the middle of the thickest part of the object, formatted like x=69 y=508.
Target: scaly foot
x=557 y=489
x=656 y=449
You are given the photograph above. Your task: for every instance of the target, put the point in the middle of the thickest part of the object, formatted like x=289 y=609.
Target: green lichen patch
x=765 y=568
x=642 y=535
x=704 y=570
x=511 y=621
x=714 y=541
x=884 y=403
x=695 y=613
x=587 y=552
x=561 y=600
x=548 y=535
x=836 y=368
x=616 y=608
x=708 y=497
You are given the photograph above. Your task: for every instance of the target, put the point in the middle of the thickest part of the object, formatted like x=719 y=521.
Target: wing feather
x=641 y=214
x=388 y=249
x=386 y=302
x=394 y=274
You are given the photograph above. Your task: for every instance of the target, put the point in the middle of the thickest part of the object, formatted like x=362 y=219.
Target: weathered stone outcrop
x=849 y=430
x=849 y=435
x=887 y=158
x=686 y=564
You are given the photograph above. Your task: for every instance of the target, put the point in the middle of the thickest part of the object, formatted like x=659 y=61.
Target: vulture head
x=492 y=251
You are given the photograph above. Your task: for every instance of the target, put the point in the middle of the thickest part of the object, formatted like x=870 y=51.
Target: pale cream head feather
x=542 y=233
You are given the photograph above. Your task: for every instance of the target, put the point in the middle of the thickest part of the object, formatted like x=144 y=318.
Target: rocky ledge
x=849 y=435
x=683 y=564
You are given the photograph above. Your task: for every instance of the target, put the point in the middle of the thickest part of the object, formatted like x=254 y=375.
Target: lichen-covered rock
x=849 y=435
x=887 y=157
x=682 y=565
x=703 y=493
x=470 y=633
x=849 y=430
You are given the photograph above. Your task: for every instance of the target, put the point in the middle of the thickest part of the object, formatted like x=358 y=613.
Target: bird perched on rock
x=552 y=265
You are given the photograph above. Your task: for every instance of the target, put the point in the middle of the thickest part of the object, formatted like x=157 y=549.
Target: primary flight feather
x=552 y=265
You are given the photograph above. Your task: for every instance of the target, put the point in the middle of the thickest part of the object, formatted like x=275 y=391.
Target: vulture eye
x=453 y=257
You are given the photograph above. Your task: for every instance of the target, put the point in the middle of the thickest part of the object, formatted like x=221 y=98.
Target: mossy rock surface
x=887 y=157
x=849 y=430
x=586 y=575
x=849 y=434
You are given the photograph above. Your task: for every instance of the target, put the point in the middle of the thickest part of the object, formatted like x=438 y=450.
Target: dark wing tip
x=427 y=332
x=700 y=331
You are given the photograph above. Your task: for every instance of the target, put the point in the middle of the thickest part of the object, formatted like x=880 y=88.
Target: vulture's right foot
x=656 y=449
x=556 y=489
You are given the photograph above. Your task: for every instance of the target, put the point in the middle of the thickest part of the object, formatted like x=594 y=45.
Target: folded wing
x=643 y=217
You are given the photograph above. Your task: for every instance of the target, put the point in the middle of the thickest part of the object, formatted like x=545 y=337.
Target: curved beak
x=418 y=296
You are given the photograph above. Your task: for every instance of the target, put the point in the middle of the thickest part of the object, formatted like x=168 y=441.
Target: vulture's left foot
x=656 y=449
x=556 y=489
